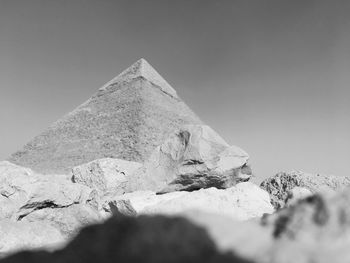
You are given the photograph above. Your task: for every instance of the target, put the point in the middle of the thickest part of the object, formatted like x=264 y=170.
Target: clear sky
x=270 y=76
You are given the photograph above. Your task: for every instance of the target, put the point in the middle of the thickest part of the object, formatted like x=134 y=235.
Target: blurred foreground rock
x=155 y=239
x=315 y=229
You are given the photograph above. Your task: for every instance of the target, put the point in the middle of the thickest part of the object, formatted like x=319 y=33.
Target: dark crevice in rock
x=185 y=138
x=192 y=162
x=38 y=206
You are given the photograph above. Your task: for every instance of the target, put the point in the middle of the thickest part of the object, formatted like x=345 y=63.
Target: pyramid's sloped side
x=126 y=122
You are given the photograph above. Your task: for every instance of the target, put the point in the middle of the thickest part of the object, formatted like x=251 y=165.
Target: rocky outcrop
x=55 y=195
x=279 y=185
x=155 y=239
x=132 y=204
x=106 y=176
x=68 y=220
x=243 y=201
x=28 y=200
x=29 y=235
x=23 y=191
x=192 y=158
x=315 y=229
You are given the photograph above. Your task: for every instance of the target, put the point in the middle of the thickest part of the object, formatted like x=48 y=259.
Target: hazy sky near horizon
x=270 y=76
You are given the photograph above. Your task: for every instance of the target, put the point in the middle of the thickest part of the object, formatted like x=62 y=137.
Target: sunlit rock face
x=23 y=191
x=241 y=202
x=107 y=176
x=41 y=211
x=16 y=236
x=192 y=158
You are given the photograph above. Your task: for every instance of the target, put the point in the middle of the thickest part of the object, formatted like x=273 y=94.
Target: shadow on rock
x=141 y=239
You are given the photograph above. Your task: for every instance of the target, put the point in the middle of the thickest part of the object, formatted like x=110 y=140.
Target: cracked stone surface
x=107 y=176
x=241 y=202
x=192 y=158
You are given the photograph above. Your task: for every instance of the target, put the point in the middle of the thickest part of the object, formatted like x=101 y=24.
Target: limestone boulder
x=27 y=235
x=68 y=220
x=55 y=194
x=243 y=201
x=106 y=176
x=29 y=197
x=15 y=182
x=22 y=191
x=279 y=185
x=192 y=158
x=132 y=204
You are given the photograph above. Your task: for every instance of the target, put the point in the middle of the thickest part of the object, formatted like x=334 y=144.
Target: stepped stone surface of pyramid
x=126 y=119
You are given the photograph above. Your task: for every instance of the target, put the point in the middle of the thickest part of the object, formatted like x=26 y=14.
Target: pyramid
x=127 y=118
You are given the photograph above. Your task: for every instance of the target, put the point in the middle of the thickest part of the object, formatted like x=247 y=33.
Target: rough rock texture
x=106 y=176
x=56 y=195
x=16 y=236
x=23 y=191
x=126 y=119
x=143 y=239
x=193 y=157
x=132 y=204
x=27 y=197
x=242 y=202
x=12 y=179
x=279 y=185
x=68 y=220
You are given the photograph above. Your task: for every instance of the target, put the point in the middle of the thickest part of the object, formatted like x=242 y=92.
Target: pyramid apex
x=141 y=68
x=140 y=63
x=143 y=60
